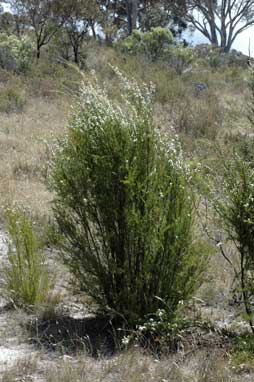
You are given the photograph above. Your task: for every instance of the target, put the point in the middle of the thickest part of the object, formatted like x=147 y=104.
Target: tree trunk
x=91 y=23
x=229 y=43
x=226 y=49
x=214 y=38
x=76 y=54
x=223 y=34
x=129 y=21
x=246 y=299
x=132 y=14
x=75 y=42
x=212 y=23
x=17 y=27
x=38 y=52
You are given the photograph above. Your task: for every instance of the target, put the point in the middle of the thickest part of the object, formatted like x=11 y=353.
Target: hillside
x=206 y=103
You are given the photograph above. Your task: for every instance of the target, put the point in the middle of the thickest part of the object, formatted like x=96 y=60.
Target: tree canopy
x=220 y=21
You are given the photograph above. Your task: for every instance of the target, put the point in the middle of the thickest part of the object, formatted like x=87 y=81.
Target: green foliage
x=157 y=44
x=152 y=43
x=159 y=331
x=234 y=204
x=133 y=44
x=243 y=351
x=51 y=236
x=16 y=53
x=161 y=334
x=180 y=57
x=123 y=204
x=151 y=17
x=156 y=41
x=27 y=279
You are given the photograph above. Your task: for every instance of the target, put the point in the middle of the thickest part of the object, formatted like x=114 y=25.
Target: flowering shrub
x=160 y=331
x=124 y=206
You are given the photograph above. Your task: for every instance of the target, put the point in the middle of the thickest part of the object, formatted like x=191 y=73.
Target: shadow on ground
x=100 y=336
x=97 y=335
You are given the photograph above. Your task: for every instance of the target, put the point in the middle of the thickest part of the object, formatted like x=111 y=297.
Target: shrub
x=235 y=206
x=152 y=43
x=180 y=57
x=16 y=54
x=156 y=41
x=124 y=205
x=27 y=278
x=157 y=44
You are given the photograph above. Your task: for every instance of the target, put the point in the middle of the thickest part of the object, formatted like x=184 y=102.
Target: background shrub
x=235 y=206
x=180 y=57
x=158 y=44
x=123 y=204
x=152 y=43
x=16 y=54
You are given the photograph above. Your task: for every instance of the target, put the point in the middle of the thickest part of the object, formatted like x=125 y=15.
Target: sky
x=241 y=43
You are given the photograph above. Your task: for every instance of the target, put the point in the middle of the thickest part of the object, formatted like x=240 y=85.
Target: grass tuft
x=26 y=278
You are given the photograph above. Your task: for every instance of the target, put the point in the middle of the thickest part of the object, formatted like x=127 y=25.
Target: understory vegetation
x=127 y=194
x=27 y=278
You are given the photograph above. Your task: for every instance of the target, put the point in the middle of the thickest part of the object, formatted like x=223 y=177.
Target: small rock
x=200 y=86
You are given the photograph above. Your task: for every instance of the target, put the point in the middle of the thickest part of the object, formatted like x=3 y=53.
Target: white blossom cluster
x=96 y=111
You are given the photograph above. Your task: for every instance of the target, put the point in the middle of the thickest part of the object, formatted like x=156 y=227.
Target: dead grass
x=21 y=371
x=130 y=366
x=134 y=366
x=24 y=143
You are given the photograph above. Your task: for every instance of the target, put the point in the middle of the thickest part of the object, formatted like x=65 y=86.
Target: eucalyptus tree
x=81 y=20
x=220 y=21
x=128 y=15
x=44 y=16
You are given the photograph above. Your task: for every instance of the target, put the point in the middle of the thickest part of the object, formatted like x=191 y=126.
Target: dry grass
x=134 y=366
x=131 y=366
x=24 y=143
x=21 y=371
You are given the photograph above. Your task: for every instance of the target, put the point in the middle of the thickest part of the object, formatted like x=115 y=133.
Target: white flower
x=125 y=340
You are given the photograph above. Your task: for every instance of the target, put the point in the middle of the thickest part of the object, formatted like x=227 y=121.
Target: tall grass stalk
x=27 y=278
